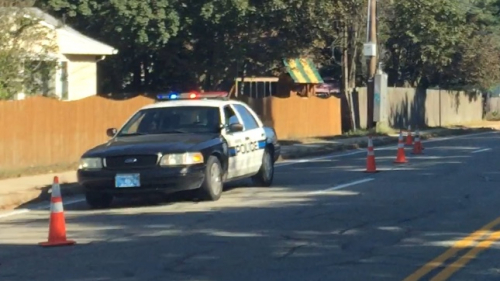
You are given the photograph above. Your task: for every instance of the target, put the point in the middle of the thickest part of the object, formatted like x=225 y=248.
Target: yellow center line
x=457 y=247
x=452 y=268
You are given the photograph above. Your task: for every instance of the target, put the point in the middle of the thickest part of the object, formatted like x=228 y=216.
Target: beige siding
x=82 y=76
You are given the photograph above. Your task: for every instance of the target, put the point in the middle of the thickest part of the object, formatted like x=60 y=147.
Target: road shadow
x=345 y=235
x=382 y=230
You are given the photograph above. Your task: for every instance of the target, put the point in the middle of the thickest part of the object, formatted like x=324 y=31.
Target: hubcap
x=268 y=167
x=215 y=179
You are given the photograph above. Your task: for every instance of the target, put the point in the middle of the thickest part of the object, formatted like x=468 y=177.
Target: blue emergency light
x=192 y=96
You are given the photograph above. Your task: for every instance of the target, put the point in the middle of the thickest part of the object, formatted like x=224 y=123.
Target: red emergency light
x=192 y=95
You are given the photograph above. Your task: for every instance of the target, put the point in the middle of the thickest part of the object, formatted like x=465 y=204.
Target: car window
x=229 y=115
x=182 y=119
x=248 y=120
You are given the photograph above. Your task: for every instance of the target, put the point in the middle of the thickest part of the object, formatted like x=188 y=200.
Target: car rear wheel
x=97 y=200
x=265 y=175
x=212 y=187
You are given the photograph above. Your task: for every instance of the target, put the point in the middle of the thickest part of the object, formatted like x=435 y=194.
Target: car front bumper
x=164 y=180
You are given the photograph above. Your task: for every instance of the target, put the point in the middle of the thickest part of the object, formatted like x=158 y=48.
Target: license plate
x=127 y=180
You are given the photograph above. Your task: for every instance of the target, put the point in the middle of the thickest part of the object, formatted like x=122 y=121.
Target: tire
x=212 y=187
x=265 y=176
x=98 y=200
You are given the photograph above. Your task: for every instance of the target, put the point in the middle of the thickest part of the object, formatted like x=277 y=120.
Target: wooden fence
x=40 y=132
x=296 y=117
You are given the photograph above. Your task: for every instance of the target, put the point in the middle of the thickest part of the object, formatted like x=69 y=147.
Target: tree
x=423 y=39
x=27 y=53
x=139 y=29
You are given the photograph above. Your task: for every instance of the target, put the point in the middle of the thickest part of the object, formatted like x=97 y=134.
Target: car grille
x=131 y=161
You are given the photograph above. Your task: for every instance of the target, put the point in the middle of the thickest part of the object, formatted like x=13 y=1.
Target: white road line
x=283 y=164
x=481 y=150
x=341 y=186
x=299 y=161
x=459 y=137
x=13 y=213
x=384 y=147
x=71 y=202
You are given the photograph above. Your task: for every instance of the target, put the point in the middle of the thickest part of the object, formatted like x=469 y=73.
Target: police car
x=185 y=141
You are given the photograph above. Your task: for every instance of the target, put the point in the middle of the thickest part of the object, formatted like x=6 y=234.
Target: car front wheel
x=212 y=187
x=265 y=175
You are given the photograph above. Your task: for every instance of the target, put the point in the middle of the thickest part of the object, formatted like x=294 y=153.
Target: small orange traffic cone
x=409 y=137
x=57 y=224
x=420 y=146
x=401 y=158
x=417 y=147
x=371 y=167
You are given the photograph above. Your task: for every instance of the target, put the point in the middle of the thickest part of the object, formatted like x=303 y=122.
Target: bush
x=492 y=116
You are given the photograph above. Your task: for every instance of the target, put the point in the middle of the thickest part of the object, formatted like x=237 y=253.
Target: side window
x=228 y=113
x=248 y=120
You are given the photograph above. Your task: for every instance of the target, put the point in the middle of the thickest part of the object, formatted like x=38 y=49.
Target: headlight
x=188 y=158
x=90 y=163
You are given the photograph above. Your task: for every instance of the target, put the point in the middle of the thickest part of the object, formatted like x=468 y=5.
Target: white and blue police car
x=185 y=141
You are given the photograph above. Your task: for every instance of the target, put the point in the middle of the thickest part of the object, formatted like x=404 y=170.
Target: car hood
x=150 y=144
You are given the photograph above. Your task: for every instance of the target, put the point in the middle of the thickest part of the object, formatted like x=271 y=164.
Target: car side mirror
x=111 y=132
x=235 y=127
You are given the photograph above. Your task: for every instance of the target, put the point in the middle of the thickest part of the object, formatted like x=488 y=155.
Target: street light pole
x=371 y=56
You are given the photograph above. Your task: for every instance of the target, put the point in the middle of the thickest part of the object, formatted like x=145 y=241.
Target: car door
x=254 y=138
x=236 y=159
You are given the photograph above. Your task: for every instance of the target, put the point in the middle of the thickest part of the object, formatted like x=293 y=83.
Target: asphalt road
x=322 y=220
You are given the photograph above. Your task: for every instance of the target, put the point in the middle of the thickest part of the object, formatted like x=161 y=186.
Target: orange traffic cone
x=409 y=137
x=401 y=158
x=57 y=224
x=370 y=159
x=420 y=146
x=417 y=147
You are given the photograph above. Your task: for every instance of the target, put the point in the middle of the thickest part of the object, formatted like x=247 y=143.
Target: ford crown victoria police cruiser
x=188 y=141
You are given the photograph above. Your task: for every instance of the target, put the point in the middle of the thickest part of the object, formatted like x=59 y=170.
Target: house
x=77 y=55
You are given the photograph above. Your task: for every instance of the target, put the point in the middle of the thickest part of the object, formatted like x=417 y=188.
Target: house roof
x=70 y=41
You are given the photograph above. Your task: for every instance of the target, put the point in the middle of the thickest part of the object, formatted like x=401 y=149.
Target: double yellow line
x=457 y=247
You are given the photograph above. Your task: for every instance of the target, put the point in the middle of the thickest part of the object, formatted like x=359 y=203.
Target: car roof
x=202 y=102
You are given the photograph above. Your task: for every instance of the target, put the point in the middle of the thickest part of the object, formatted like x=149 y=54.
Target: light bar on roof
x=191 y=96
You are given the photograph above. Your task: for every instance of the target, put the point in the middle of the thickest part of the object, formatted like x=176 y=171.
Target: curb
x=36 y=195
x=42 y=194
x=377 y=141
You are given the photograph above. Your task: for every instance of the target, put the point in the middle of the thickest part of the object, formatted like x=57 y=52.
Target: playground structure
x=254 y=87
x=300 y=78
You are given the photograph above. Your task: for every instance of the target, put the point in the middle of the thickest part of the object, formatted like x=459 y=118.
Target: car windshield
x=169 y=120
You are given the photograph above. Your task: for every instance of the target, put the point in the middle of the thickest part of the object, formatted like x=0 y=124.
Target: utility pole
x=371 y=60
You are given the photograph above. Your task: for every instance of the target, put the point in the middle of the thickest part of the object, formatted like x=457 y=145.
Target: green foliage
x=187 y=44
x=23 y=41
x=441 y=42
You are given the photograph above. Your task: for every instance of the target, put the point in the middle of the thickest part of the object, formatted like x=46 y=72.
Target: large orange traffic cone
x=401 y=158
x=417 y=147
x=409 y=137
x=371 y=167
x=57 y=224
